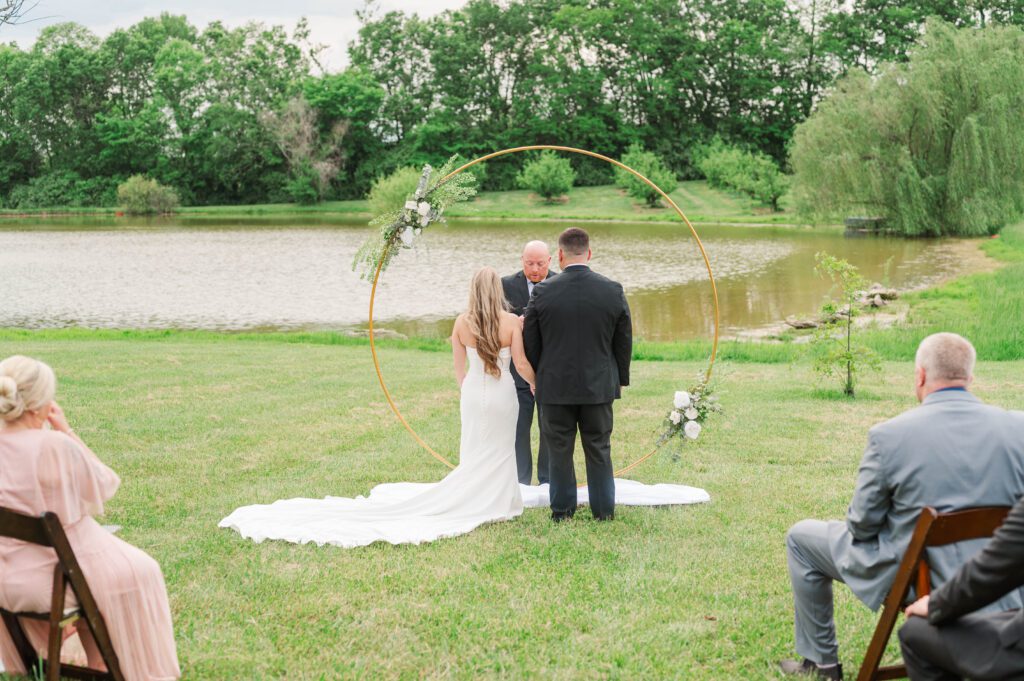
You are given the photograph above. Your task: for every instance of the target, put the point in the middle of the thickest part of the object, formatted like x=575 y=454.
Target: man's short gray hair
x=946 y=357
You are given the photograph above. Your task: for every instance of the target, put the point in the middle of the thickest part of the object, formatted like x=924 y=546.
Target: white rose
x=423 y=208
x=691 y=414
x=675 y=417
x=417 y=231
x=692 y=429
x=407 y=235
x=410 y=205
x=425 y=220
x=682 y=399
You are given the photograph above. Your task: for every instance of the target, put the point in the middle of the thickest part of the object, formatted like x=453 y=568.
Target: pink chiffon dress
x=44 y=470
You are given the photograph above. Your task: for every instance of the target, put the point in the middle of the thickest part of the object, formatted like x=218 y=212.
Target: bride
x=484 y=486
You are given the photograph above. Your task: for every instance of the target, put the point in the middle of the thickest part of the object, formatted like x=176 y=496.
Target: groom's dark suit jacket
x=578 y=337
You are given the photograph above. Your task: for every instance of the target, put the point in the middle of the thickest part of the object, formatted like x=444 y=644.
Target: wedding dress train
x=483 y=487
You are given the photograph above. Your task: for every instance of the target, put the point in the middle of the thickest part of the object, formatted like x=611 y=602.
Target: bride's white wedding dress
x=482 y=488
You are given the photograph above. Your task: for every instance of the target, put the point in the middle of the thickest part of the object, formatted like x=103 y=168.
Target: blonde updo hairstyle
x=26 y=384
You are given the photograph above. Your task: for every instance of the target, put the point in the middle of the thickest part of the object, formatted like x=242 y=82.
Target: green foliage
x=751 y=173
x=832 y=347
x=388 y=193
x=430 y=198
x=548 y=175
x=652 y=167
x=62 y=189
x=139 y=195
x=936 y=146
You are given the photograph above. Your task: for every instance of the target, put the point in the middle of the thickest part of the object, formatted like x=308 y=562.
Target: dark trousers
x=524 y=454
x=970 y=647
x=559 y=424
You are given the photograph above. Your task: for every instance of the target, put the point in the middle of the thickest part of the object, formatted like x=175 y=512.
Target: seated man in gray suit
x=952 y=452
x=945 y=643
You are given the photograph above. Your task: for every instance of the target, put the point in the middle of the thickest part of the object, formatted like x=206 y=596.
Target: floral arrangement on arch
x=398 y=228
x=690 y=409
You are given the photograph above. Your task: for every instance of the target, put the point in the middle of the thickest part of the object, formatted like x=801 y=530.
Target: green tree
x=751 y=173
x=934 y=146
x=139 y=195
x=650 y=166
x=313 y=161
x=835 y=353
x=549 y=176
x=389 y=193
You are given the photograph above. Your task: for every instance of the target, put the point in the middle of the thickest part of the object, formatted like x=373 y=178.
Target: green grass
x=699 y=202
x=197 y=426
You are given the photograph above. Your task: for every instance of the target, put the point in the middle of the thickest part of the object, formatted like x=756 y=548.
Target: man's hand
x=918 y=608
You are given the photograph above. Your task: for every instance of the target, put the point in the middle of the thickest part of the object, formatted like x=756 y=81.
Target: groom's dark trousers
x=578 y=336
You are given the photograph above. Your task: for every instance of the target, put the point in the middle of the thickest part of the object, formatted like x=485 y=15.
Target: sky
x=332 y=22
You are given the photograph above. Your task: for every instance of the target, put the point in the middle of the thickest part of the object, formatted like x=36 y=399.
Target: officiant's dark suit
x=578 y=336
x=518 y=291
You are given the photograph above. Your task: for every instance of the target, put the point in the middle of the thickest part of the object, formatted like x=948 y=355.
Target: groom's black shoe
x=809 y=668
x=559 y=517
x=610 y=516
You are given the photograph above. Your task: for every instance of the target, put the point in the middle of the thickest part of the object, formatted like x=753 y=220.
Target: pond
x=295 y=273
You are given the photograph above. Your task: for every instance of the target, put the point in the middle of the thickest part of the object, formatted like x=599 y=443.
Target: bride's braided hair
x=486 y=303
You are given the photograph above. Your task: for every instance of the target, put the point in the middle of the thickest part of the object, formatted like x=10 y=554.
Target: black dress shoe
x=560 y=517
x=809 y=668
x=605 y=517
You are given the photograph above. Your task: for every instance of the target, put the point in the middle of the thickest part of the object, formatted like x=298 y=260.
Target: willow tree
x=935 y=145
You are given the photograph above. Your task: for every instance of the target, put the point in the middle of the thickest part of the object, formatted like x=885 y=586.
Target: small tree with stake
x=835 y=353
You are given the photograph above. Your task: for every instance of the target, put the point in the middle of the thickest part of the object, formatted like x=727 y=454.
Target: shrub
x=548 y=176
x=750 y=173
x=651 y=166
x=63 y=189
x=138 y=195
x=389 y=193
x=835 y=353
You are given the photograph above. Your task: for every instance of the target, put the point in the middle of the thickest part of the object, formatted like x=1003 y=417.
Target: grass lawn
x=695 y=198
x=197 y=427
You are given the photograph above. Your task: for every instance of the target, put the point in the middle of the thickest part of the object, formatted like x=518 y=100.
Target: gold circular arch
x=573 y=150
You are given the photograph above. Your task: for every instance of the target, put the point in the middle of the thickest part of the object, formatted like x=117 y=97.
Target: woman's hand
x=57 y=419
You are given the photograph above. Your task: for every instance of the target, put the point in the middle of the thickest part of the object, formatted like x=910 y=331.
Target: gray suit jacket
x=952 y=452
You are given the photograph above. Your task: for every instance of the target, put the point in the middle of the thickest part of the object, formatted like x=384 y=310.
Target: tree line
x=247 y=115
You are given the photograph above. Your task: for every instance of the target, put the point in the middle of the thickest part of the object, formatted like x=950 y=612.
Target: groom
x=578 y=337
x=518 y=289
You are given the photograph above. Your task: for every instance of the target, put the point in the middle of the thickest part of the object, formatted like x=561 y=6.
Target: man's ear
x=590 y=254
x=920 y=378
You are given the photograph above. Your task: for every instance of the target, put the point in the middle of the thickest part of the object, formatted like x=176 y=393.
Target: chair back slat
x=932 y=529
x=973 y=523
x=23 y=527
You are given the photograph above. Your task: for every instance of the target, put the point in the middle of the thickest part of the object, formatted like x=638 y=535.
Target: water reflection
x=295 y=273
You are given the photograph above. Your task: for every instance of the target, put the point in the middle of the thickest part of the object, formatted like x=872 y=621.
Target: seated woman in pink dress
x=52 y=470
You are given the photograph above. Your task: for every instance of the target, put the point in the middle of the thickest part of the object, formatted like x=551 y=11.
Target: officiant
x=518 y=287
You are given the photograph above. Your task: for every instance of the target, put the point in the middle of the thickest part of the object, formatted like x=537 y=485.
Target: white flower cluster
x=417 y=212
x=686 y=413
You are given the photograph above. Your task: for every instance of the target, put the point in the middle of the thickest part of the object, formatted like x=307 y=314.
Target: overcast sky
x=333 y=22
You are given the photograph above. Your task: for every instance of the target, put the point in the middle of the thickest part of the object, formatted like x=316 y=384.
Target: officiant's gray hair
x=946 y=357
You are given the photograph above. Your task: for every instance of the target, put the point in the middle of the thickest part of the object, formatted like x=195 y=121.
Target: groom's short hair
x=574 y=241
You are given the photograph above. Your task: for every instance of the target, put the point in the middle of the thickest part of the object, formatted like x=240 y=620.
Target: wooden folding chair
x=933 y=529
x=46 y=530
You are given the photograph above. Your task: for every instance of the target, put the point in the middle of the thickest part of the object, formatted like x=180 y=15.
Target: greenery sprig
x=399 y=227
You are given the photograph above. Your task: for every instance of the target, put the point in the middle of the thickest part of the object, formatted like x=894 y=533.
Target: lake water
x=209 y=273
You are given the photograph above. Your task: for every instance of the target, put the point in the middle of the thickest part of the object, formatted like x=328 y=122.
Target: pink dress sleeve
x=73 y=482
